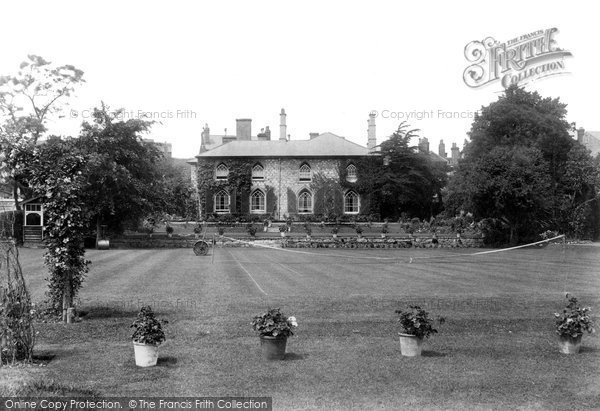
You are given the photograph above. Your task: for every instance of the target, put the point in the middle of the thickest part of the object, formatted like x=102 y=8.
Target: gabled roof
x=324 y=145
x=591 y=139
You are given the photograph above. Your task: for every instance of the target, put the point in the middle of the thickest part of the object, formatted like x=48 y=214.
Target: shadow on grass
x=433 y=354
x=166 y=361
x=100 y=312
x=290 y=356
x=43 y=357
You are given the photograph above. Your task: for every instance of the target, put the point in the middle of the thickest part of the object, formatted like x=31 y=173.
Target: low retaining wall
x=299 y=242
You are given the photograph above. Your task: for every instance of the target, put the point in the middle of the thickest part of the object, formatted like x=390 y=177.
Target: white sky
x=327 y=63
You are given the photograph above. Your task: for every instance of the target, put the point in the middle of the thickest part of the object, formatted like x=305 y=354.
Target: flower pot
x=282 y=233
x=334 y=235
x=103 y=244
x=410 y=345
x=569 y=345
x=146 y=355
x=273 y=348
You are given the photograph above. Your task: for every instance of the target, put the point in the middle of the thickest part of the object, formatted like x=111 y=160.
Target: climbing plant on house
x=58 y=176
x=237 y=184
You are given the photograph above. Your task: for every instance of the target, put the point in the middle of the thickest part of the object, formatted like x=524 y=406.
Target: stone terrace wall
x=299 y=242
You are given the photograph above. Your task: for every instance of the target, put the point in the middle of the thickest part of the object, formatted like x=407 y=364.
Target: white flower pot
x=410 y=345
x=146 y=355
x=569 y=345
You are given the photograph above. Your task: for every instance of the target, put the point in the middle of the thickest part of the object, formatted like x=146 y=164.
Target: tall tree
x=123 y=174
x=410 y=182
x=27 y=100
x=519 y=166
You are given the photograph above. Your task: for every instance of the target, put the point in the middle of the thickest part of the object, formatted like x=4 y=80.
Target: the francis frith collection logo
x=520 y=60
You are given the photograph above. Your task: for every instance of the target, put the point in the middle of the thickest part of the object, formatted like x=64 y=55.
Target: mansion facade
x=286 y=177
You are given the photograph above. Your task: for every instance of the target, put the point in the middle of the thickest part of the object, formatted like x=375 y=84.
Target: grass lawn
x=497 y=349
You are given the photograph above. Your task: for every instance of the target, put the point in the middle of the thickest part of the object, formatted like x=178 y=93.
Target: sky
x=328 y=63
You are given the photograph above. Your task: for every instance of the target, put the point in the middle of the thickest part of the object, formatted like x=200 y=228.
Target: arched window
x=258 y=172
x=257 y=202
x=305 y=203
x=221 y=202
x=351 y=203
x=305 y=174
x=222 y=172
x=351 y=173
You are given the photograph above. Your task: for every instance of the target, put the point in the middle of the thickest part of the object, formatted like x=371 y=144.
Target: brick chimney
x=243 y=128
x=204 y=138
x=442 y=149
x=282 y=125
x=580 y=133
x=313 y=135
x=371 y=133
x=455 y=153
x=424 y=145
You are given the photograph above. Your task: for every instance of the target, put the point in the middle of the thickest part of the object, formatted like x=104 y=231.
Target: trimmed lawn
x=497 y=349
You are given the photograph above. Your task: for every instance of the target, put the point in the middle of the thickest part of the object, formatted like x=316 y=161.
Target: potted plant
x=274 y=328
x=570 y=325
x=251 y=230
x=416 y=325
x=359 y=230
x=169 y=231
x=384 y=230
x=334 y=231
x=197 y=231
x=221 y=230
x=308 y=230
x=147 y=336
x=282 y=230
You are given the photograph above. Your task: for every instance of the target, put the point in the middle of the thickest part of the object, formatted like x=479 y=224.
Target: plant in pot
x=169 y=231
x=197 y=231
x=417 y=325
x=384 y=230
x=221 y=230
x=308 y=230
x=251 y=230
x=359 y=230
x=147 y=336
x=282 y=230
x=570 y=325
x=274 y=328
x=334 y=231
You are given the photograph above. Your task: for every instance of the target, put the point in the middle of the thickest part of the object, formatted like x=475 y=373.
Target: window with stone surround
x=222 y=202
x=258 y=172
x=257 y=201
x=351 y=175
x=222 y=172
x=305 y=202
x=305 y=173
x=351 y=203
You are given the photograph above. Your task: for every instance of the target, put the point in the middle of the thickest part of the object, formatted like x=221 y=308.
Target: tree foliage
x=27 y=99
x=123 y=175
x=523 y=169
x=411 y=183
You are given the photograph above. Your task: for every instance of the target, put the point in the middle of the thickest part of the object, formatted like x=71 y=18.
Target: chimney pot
x=243 y=128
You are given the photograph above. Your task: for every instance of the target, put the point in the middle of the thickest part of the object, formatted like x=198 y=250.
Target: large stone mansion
x=283 y=170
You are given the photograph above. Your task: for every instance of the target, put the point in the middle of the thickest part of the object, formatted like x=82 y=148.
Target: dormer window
x=305 y=173
x=351 y=175
x=222 y=172
x=258 y=172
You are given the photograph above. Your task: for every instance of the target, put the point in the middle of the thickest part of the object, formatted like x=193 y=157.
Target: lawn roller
x=201 y=246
